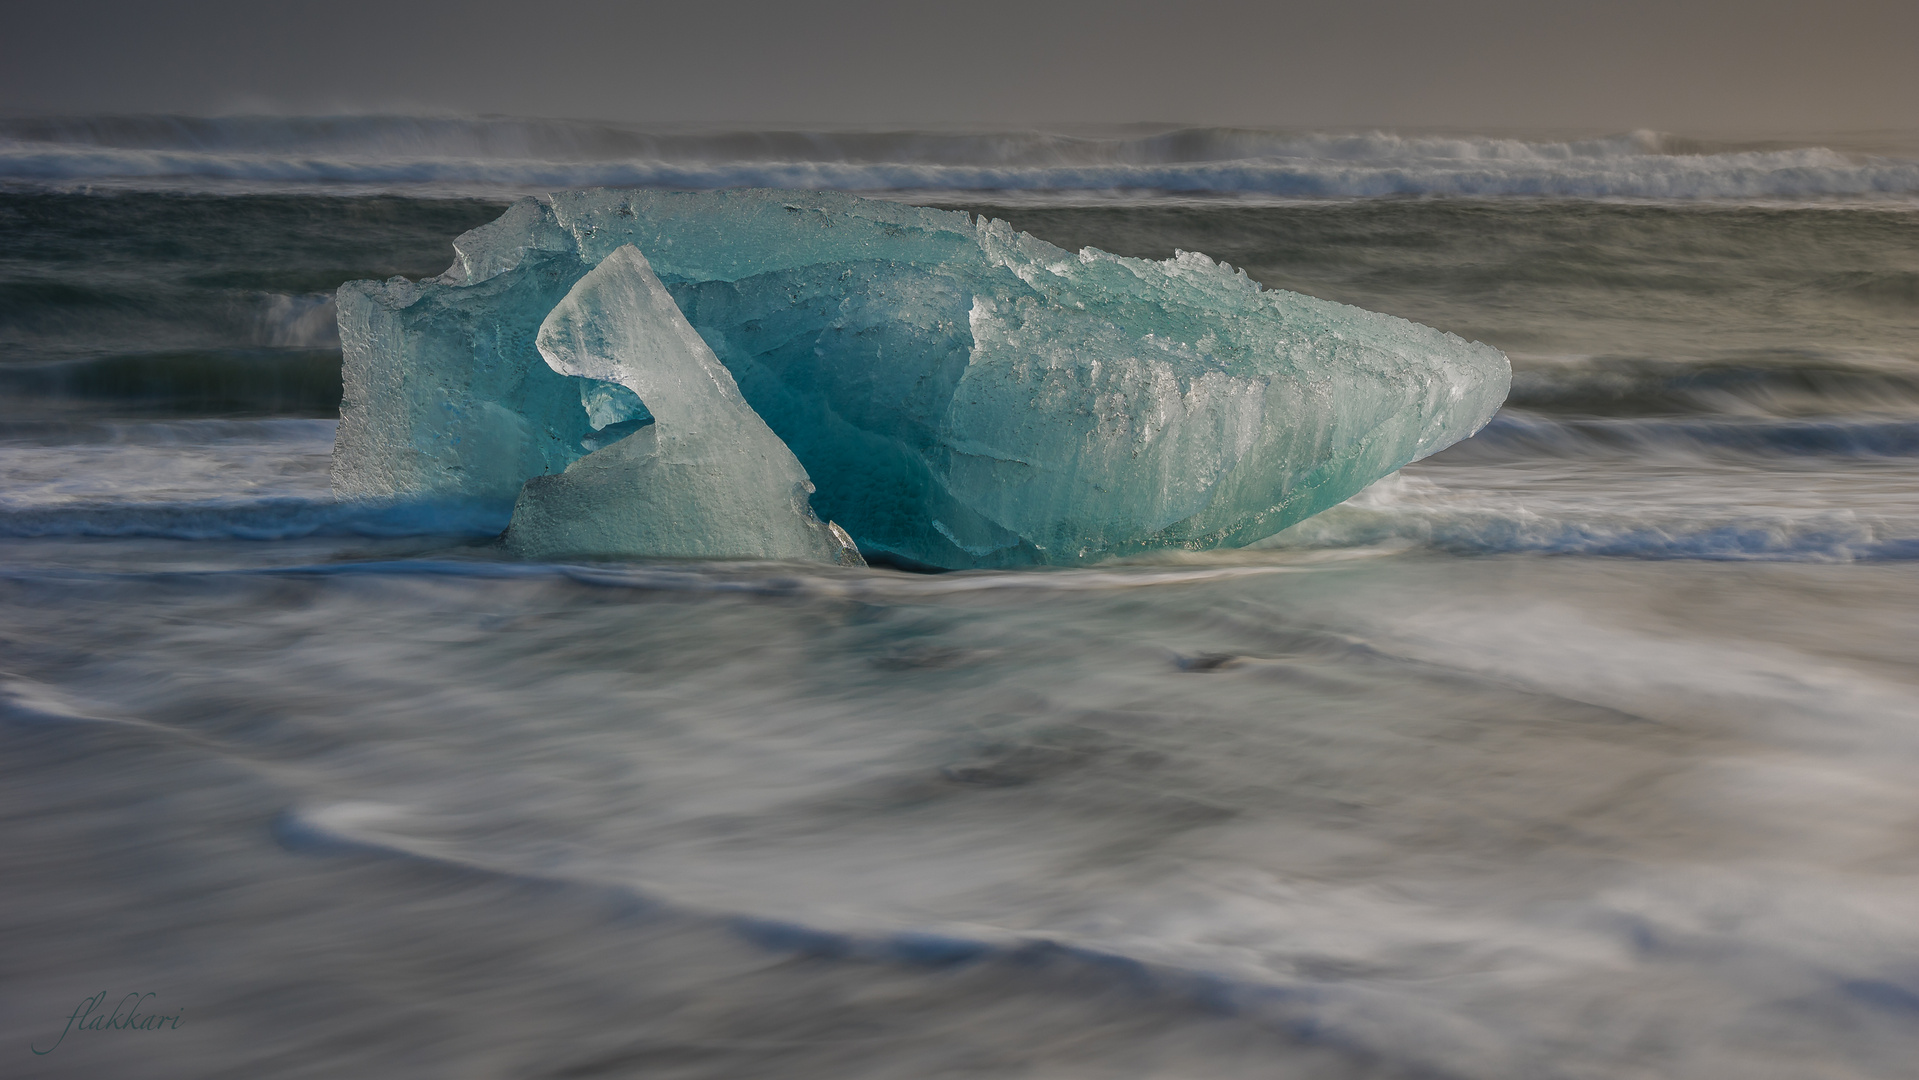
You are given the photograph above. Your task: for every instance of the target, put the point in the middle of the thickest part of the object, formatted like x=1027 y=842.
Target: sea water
x=1582 y=749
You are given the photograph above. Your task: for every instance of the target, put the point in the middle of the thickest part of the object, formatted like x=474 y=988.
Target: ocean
x=1585 y=748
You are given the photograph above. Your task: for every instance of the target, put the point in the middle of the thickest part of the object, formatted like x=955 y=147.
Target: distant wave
x=259 y=519
x=295 y=375
x=1761 y=387
x=1514 y=435
x=492 y=155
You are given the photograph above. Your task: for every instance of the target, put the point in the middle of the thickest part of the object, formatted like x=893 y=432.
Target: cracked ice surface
x=962 y=395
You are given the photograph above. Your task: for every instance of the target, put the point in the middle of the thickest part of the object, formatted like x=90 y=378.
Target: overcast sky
x=1699 y=66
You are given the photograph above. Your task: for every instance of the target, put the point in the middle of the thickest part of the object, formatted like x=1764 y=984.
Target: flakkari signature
x=85 y=1018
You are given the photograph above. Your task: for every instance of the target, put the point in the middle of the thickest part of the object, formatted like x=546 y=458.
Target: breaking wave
x=1832 y=538
x=1321 y=1011
x=409 y=153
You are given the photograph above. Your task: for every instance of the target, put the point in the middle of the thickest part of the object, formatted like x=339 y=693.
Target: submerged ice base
x=962 y=395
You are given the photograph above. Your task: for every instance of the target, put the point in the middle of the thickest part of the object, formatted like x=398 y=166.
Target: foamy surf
x=377 y=153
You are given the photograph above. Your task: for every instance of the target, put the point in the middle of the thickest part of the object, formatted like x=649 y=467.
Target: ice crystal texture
x=962 y=395
x=706 y=477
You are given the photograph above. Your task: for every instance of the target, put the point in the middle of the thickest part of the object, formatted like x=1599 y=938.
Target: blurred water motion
x=1411 y=816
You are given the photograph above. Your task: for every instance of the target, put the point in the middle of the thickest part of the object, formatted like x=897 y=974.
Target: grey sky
x=1719 y=66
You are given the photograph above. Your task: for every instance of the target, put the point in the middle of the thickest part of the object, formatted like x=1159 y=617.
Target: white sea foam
x=404 y=153
x=305 y=321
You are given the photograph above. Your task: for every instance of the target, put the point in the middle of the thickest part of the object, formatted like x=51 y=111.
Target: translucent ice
x=706 y=478
x=963 y=395
x=446 y=395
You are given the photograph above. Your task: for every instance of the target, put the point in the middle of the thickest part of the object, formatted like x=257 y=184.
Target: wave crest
x=375 y=152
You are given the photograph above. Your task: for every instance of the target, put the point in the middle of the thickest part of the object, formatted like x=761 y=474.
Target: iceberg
x=702 y=475
x=961 y=394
